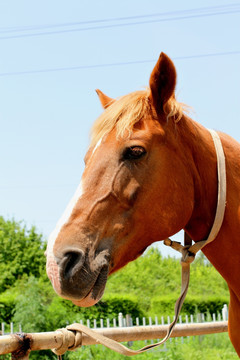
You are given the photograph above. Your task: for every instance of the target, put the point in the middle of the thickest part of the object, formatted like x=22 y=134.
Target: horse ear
x=162 y=82
x=104 y=99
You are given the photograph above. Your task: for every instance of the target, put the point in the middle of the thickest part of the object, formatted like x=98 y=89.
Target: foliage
x=30 y=306
x=107 y=308
x=7 y=306
x=210 y=347
x=38 y=308
x=21 y=252
x=126 y=304
x=164 y=305
x=153 y=277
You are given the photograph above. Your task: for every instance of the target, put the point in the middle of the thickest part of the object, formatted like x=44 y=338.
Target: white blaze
x=64 y=219
x=67 y=213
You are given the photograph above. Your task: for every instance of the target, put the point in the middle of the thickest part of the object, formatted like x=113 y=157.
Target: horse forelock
x=124 y=113
x=128 y=110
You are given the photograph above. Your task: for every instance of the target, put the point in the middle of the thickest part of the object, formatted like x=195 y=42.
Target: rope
x=65 y=346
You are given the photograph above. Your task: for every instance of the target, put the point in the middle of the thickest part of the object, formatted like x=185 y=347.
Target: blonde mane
x=129 y=110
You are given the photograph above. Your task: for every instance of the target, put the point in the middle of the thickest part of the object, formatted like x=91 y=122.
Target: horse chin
x=91 y=299
x=86 y=302
x=96 y=292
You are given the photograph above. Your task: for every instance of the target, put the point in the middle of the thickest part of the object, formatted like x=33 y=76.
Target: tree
x=21 y=252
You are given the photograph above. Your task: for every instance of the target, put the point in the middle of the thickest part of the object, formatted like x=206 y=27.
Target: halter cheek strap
x=189 y=251
x=188 y=254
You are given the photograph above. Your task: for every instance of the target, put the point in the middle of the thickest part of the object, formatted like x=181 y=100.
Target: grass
x=208 y=347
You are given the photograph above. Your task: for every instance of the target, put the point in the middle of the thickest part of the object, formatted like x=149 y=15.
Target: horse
x=150 y=171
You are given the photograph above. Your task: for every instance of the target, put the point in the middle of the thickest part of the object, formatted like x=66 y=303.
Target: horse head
x=132 y=191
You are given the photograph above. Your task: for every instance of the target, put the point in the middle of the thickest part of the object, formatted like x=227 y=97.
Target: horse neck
x=224 y=251
x=201 y=158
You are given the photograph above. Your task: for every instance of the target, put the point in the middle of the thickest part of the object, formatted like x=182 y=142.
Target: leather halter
x=189 y=251
x=188 y=254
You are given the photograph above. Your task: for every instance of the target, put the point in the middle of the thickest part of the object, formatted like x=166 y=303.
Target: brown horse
x=150 y=172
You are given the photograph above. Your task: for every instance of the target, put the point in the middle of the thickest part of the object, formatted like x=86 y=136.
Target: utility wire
x=95 y=66
x=177 y=15
x=228 y=7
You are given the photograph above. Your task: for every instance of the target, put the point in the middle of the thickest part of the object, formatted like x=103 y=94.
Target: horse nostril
x=71 y=263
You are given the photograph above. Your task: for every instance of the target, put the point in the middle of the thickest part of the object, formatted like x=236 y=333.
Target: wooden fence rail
x=21 y=344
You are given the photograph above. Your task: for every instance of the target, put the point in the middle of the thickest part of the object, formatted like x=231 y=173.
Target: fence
x=128 y=321
x=15 y=343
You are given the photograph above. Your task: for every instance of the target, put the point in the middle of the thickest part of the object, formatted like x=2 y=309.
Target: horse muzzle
x=79 y=276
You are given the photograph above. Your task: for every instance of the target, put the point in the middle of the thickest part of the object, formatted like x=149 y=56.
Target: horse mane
x=128 y=110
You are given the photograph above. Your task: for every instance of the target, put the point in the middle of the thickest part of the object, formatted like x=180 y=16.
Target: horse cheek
x=130 y=192
x=126 y=188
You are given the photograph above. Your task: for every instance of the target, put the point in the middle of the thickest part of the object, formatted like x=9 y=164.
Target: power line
x=172 y=16
x=168 y=13
x=95 y=66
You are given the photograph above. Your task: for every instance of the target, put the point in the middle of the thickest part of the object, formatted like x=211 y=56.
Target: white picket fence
x=126 y=321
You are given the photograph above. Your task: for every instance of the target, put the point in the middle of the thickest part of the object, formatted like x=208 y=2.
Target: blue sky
x=54 y=54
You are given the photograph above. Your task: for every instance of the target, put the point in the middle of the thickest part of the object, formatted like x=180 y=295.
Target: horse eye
x=134 y=152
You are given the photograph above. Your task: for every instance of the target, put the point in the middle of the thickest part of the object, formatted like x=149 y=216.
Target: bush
x=30 y=306
x=211 y=304
x=164 y=306
x=63 y=311
x=37 y=308
x=126 y=304
x=7 y=306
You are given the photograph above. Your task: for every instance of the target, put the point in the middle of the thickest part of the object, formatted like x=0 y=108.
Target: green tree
x=30 y=306
x=152 y=276
x=21 y=252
